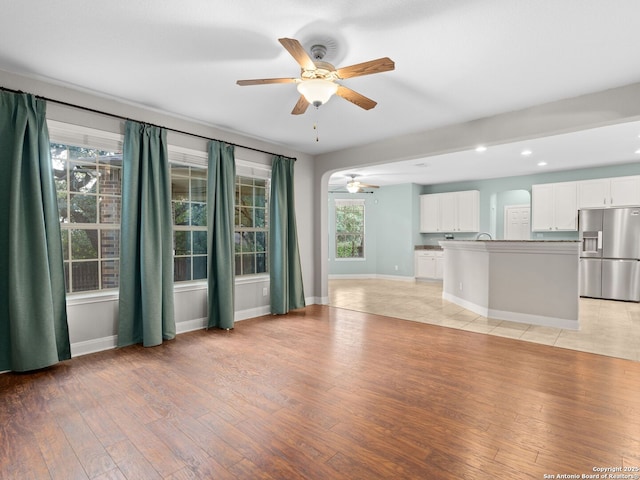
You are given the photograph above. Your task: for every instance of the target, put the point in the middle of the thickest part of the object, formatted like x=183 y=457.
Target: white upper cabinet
x=450 y=212
x=469 y=211
x=542 y=207
x=593 y=193
x=554 y=207
x=609 y=192
x=429 y=213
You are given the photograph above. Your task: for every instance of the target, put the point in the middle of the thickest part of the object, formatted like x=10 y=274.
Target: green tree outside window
x=349 y=229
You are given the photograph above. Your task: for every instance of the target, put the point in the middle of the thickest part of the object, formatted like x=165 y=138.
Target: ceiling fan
x=317 y=82
x=354 y=186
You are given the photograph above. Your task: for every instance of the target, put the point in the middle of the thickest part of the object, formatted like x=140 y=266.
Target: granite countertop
x=514 y=241
x=427 y=247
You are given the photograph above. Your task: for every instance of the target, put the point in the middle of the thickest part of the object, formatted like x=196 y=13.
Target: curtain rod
x=113 y=115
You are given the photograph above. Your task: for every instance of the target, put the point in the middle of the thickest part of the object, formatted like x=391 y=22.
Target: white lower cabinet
x=428 y=264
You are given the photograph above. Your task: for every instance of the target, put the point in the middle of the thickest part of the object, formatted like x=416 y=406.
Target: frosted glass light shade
x=353 y=187
x=317 y=91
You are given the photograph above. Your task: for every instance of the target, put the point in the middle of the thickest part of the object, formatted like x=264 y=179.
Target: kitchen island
x=526 y=281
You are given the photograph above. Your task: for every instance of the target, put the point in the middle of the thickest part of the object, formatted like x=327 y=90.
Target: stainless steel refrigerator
x=610 y=253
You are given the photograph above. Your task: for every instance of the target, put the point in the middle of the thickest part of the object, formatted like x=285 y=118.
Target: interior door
x=517 y=222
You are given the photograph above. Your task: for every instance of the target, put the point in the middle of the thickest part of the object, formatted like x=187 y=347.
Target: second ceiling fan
x=317 y=82
x=354 y=186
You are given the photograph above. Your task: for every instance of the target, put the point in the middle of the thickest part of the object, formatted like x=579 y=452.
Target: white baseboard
x=351 y=276
x=93 y=346
x=191 y=325
x=541 y=320
x=475 y=308
x=516 y=317
x=108 y=343
x=399 y=278
x=314 y=300
x=252 y=313
x=111 y=342
x=370 y=276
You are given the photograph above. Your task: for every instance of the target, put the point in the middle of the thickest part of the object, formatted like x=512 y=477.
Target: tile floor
x=606 y=327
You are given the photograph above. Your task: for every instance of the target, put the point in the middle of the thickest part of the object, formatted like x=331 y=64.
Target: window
x=88 y=185
x=189 y=210
x=349 y=228
x=87 y=169
x=251 y=225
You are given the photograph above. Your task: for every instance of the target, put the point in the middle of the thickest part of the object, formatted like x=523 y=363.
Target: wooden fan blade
x=356 y=98
x=301 y=106
x=298 y=52
x=366 y=185
x=367 y=68
x=266 y=81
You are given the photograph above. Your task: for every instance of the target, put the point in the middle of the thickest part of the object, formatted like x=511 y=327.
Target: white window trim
x=94 y=296
x=70 y=134
x=78 y=135
x=67 y=133
x=257 y=278
x=189 y=157
x=346 y=202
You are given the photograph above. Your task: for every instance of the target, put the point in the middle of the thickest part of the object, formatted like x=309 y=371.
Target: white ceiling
x=456 y=60
x=610 y=145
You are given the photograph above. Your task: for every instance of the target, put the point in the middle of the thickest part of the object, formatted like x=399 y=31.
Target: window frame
x=345 y=202
x=192 y=229
x=113 y=138
x=254 y=171
x=69 y=135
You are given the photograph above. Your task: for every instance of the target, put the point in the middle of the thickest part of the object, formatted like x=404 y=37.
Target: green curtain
x=146 y=312
x=33 y=313
x=220 y=231
x=285 y=272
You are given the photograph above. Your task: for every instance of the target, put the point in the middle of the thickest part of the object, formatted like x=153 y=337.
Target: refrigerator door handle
x=600 y=240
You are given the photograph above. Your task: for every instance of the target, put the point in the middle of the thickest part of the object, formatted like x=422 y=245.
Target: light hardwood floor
x=323 y=393
x=607 y=327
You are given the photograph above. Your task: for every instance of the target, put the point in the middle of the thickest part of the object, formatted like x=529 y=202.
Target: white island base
x=534 y=282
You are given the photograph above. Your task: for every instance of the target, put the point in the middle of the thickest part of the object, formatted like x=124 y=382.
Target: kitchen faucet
x=483 y=233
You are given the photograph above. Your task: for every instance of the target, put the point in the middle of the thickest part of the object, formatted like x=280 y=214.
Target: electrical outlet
x=264 y=291
x=396 y=268
x=460 y=286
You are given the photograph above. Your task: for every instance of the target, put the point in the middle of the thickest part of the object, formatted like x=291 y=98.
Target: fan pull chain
x=315 y=125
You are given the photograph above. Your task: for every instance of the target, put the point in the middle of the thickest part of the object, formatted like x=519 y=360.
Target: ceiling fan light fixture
x=317 y=91
x=353 y=187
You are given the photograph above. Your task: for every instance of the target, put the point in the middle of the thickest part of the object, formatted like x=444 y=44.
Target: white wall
x=93 y=317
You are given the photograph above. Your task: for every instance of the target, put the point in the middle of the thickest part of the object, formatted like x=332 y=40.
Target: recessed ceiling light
x=542 y=164
x=526 y=153
x=481 y=148
x=638 y=151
